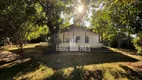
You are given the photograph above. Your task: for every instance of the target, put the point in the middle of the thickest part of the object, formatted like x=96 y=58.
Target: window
x=86 y=39
x=77 y=39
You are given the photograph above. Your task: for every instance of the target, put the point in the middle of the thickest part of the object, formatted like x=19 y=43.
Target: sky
x=87 y=23
x=80 y=10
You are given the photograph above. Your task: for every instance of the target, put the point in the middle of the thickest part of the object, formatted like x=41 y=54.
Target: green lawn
x=114 y=64
x=72 y=59
x=28 y=69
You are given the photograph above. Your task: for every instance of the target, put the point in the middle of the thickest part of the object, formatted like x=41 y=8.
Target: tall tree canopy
x=27 y=19
x=18 y=21
x=117 y=16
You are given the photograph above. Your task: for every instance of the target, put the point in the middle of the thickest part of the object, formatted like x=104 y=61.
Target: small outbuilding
x=77 y=38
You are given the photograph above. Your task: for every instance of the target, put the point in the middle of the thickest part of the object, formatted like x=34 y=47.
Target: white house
x=76 y=38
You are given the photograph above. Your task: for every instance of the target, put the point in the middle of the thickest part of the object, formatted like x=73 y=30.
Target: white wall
x=81 y=34
x=93 y=38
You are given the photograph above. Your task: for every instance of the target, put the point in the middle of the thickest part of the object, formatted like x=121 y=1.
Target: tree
x=52 y=10
x=119 y=16
x=18 y=21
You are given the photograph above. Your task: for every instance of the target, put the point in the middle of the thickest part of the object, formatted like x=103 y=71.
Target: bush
x=120 y=40
x=113 y=42
x=138 y=43
x=126 y=44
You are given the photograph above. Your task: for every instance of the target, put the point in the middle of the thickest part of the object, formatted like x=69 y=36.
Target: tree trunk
x=128 y=42
x=54 y=29
x=20 y=45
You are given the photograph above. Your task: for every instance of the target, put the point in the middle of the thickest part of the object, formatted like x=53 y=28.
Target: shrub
x=138 y=43
x=113 y=42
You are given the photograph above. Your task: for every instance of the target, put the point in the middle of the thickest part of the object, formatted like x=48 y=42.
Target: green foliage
x=36 y=31
x=113 y=41
x=117 y=17
x=138 y=43
x=101 y=21
x=26 y=19
x=18 y=21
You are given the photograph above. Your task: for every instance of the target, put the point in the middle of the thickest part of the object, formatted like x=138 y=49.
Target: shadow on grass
x=121 y=72
x=96 y=56
x=66 y=59
x=77 y=74
x=74 y=59
x=132 y=74
x=8 y=72
x=32 y=49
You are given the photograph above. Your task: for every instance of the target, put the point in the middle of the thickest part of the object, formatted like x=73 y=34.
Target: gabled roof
x=73 y=26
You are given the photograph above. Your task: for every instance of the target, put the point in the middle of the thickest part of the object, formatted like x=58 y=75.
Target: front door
x=73 y=44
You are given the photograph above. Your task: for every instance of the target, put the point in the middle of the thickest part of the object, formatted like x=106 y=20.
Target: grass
x=25 y=69
x=112 y=65
x=127 y=52
x=26 y=46
x=111 y=71
x=28 y=69
x=59 y=61
x=40 y=73
x=70 y=59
